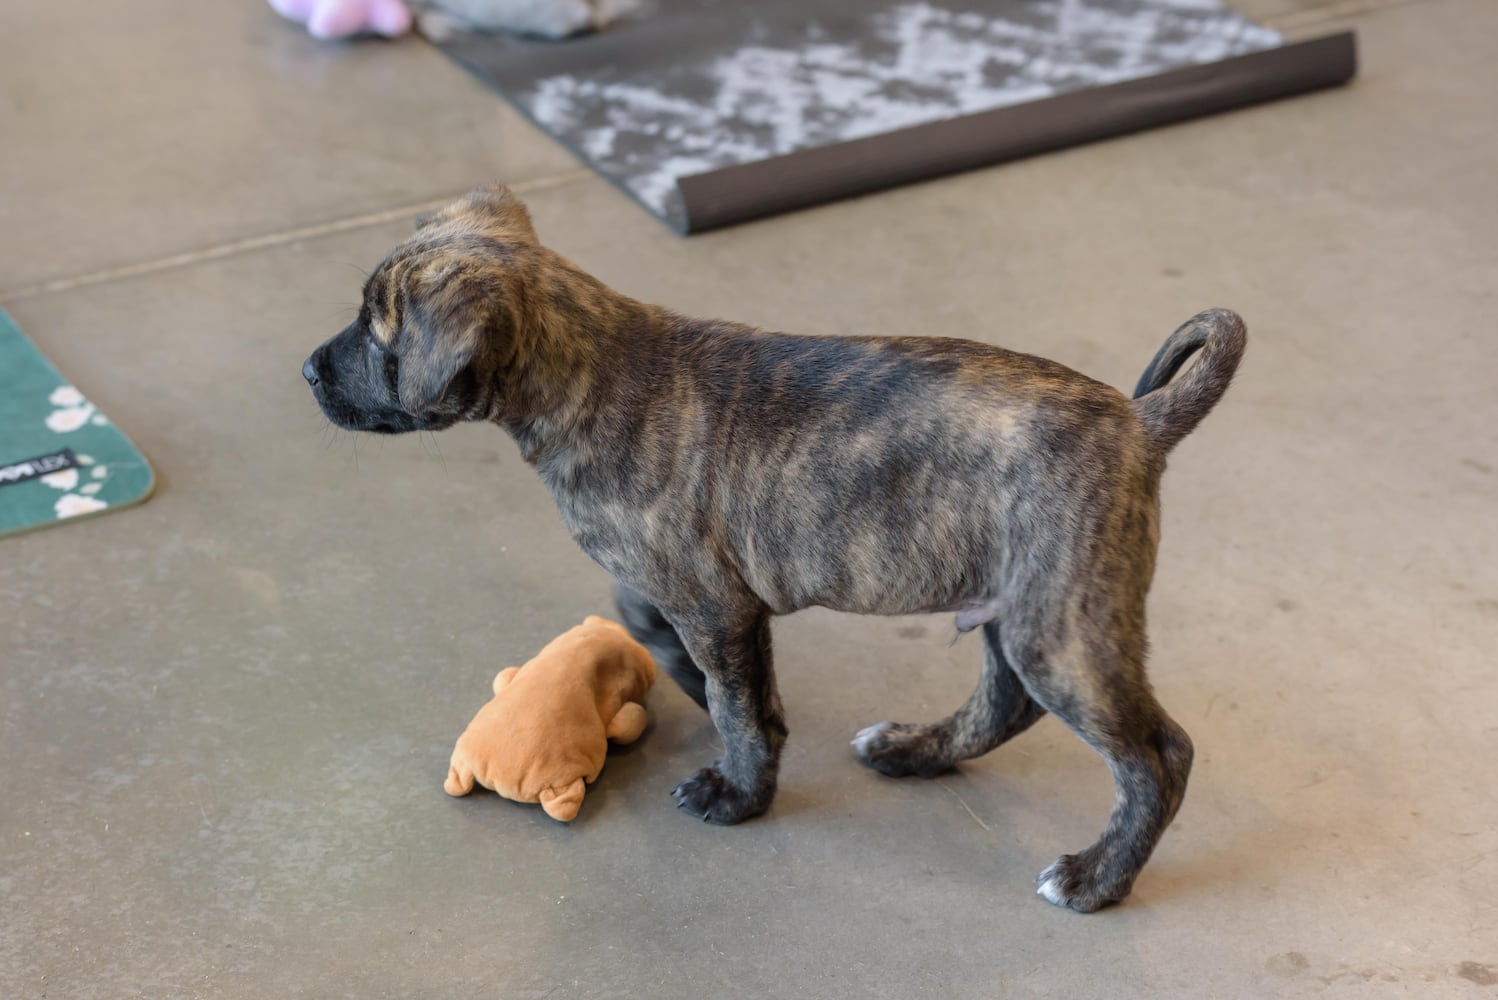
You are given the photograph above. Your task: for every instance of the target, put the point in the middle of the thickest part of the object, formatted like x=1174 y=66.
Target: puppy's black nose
x=308 y=372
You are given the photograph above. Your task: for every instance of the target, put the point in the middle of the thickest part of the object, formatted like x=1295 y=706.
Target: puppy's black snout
x=309 y=372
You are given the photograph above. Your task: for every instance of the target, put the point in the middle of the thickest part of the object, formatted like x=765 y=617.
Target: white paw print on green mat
x=78 y=500
x=73 y=411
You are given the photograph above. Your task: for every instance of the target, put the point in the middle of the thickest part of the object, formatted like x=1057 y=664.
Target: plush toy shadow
x=545 y=734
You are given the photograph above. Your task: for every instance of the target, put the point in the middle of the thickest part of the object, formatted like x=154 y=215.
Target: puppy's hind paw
x=1072 y=882
x=899 y=750
x=710 y=795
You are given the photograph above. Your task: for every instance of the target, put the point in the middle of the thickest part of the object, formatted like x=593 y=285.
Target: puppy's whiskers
x=427 y=436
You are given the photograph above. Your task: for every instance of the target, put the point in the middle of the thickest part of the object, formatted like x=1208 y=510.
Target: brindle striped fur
x=723 y=475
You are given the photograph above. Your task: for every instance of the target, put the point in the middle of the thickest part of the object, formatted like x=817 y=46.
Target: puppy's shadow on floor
x=679 y=740
x=1252 y=858
x=1263 y=845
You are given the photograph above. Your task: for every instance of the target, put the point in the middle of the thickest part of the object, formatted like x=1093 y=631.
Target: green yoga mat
x=60 y=458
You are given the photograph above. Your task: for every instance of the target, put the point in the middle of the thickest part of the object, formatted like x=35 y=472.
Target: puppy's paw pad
x=1072 y=882
x=897 y=750
x=710 y=795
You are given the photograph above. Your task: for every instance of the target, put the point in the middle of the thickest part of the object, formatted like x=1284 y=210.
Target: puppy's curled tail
x=1170 y=411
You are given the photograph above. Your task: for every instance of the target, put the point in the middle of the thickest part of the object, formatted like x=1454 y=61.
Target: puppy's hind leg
x=651 y=630
x=998 y=710
x=1095 y=684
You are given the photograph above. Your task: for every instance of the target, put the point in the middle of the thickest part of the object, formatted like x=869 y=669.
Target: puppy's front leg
x=655 y=632
x=732 y=648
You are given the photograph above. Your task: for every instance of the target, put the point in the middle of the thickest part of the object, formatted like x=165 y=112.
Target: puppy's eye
x=381 y=354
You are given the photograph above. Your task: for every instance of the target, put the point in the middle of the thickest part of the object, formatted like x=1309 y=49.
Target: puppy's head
x=437 y=323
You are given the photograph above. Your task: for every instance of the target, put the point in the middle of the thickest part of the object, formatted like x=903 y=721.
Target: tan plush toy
x=545 y=734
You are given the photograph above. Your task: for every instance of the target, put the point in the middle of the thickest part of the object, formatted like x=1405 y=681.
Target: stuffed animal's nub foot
x=457 y=783
x=563 y=804
x=628 y=724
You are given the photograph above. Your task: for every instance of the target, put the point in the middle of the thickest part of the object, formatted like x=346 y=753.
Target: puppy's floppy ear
x=432 y=353
x=488 y=208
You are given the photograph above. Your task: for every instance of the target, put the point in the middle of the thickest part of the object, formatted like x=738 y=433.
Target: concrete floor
x=226 y=713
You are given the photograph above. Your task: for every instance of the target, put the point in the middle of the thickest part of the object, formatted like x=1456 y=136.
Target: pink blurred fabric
x=342 y=18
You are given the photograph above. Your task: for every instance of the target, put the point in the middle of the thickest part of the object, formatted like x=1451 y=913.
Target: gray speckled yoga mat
x=710 y=113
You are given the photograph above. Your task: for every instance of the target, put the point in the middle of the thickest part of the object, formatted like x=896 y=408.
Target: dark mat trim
x=829 y=173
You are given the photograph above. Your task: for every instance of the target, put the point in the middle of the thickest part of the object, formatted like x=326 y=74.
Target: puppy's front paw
x=899 y=750
x=710 y=795
x=1074 y=881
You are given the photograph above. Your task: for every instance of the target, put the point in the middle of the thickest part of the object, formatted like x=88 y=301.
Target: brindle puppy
x=723 y=475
